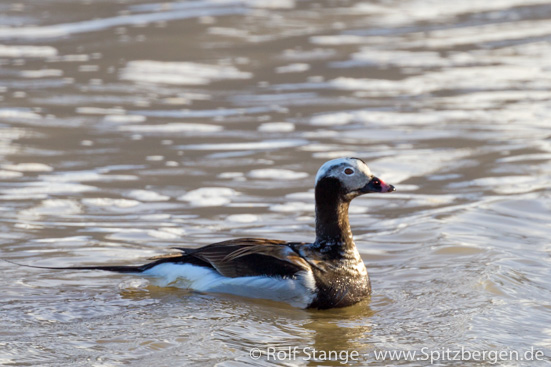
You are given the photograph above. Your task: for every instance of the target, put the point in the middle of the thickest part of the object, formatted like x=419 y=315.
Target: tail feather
x=112 y=268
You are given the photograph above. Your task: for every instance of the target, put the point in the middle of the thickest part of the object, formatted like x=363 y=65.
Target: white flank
x=298 y=292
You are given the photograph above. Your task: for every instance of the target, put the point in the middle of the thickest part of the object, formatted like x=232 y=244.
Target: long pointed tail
x=114 y=268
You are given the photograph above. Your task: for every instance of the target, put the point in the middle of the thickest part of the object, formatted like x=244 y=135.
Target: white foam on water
x=293 y=68
x=52 y=207
x=42 y=73
x=242 y=218
x=76 y=239
x=209 y=196
x=433 y=11
x=128 y=234
x=65 y=29
x=526 y=157
x=261 y=145
x=174 y=230
x=219 y=112
x=100 y=111
x=276 y=174
x=304 y=55
x=88 y=68
x=337 y=40
x=164 y=234
x=430 y=200
x=494 y=99
x=228 y=32
x=333 y=119
x=18 y=113
x=71 y=58
x=134 y=285
x=277 y=127
x=270 y=4
x=385 y=117
x=404 y=164
x=496 y=32
x=368 y=8
x=86 y=176
x=357 y=209
x=156 y=217
x=306 y=196
x=402 y=58
x=124 y=119
x=278 y=99
x=179 y=73
x=176 y=127
x=505 y=185
x=231 y=175
x=34 y=190
x=110 y=203
x=334 y=154
x=17 y=51
x=295 y=206
x=471 y=78
x=6 y=175
x=147 y=195
x=154 y=158
x=28 y=167
x=378 y=86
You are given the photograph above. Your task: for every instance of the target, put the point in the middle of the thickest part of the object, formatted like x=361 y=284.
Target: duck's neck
x=333 y=231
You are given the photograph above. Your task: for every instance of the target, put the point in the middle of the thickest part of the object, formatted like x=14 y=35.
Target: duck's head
x=350 y=177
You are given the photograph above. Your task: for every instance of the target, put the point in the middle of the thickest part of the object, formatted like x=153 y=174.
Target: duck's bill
x=377 y=185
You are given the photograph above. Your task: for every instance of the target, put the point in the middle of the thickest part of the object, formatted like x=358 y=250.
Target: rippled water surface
x=129 y=127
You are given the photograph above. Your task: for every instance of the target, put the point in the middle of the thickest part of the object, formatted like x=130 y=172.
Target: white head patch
x=353 y=173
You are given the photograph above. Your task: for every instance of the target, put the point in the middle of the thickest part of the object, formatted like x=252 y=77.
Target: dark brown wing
x=246 y=257
x=235 y=258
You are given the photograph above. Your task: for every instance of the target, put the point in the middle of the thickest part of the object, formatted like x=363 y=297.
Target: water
x=131 y=127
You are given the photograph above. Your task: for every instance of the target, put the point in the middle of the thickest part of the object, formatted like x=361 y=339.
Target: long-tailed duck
x=326 y=273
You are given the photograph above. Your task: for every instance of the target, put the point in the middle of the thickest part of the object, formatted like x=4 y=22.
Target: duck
x=326 y=273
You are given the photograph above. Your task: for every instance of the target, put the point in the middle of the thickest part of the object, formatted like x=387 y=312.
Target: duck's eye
x=349 y=171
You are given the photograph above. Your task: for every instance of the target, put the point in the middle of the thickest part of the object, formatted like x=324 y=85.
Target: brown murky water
x=130 y=127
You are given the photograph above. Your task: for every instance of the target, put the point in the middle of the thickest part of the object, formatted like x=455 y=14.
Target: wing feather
x=250 y=257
